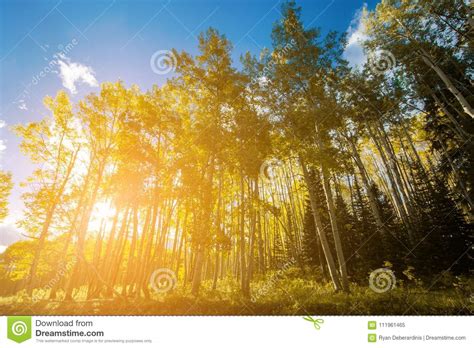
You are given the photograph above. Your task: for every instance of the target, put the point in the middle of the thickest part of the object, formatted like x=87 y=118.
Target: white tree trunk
x=460 y=98
x=320 y=229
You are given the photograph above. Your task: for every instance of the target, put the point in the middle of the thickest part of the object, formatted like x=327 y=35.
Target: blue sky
x=76 y=45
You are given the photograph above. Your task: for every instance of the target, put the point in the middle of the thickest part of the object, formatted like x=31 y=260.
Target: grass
x=295 y=296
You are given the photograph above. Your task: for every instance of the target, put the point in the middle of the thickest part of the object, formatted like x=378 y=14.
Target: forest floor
x=291 y=297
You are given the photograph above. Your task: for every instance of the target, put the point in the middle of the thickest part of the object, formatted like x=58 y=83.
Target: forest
x=294 y=184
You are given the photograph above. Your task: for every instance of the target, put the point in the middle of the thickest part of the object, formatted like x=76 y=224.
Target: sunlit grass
x=288 y=296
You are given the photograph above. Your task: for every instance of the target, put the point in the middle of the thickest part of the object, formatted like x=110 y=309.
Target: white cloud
x=354 y=52
x=9 y=234
x=9 y=231
x=2 y=123
x=71 y=73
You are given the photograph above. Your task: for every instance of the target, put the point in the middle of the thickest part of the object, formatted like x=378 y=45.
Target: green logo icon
x=19 y=328
x=372 y=325
x=316 y=322
x=372 y=338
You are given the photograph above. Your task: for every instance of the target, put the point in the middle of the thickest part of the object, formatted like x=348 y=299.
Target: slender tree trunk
x=243 y=265
x=335 y=228
x=370 y=193
x=320 y=229
x=468 y=109
x=47 y=224
x=207 y=199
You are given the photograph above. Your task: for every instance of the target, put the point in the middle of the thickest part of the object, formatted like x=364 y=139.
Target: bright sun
x=102 y=212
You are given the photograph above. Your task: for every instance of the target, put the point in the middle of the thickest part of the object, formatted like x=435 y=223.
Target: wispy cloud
x=72 y=73
x=354 y=52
